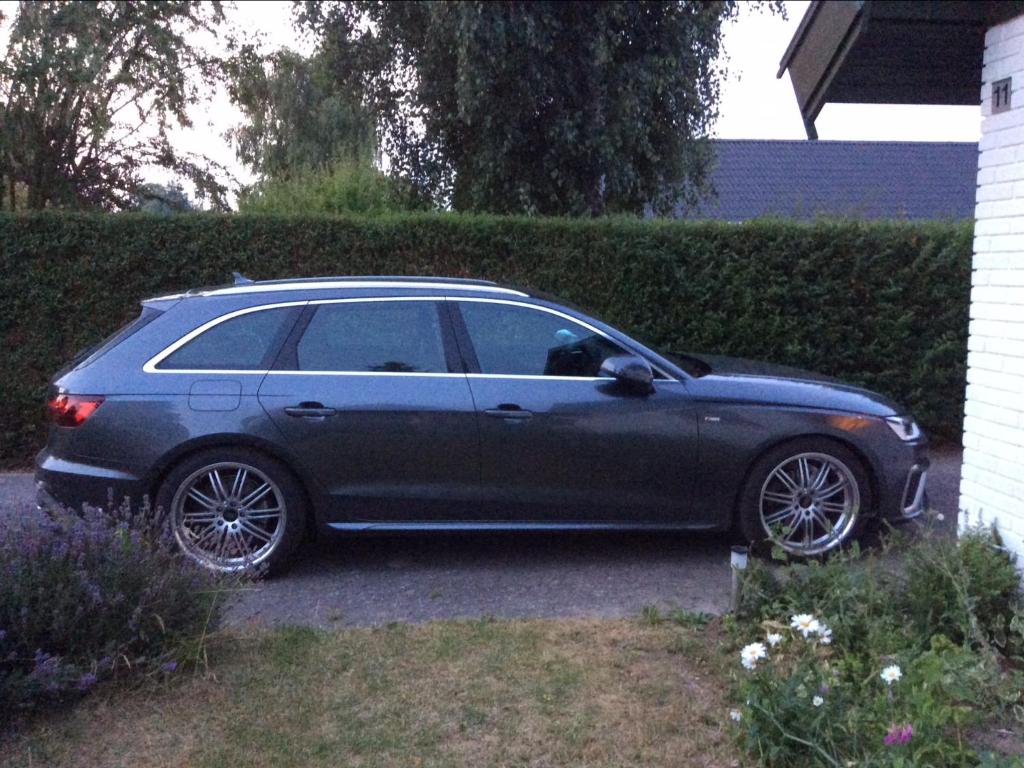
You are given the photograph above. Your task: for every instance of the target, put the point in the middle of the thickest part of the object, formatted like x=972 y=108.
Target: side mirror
x=630 y=371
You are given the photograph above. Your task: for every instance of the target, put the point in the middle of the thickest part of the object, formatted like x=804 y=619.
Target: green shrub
x=818 y=696
x=963 y=590
x=84 y=597
x=878 y=304
x=343 y=188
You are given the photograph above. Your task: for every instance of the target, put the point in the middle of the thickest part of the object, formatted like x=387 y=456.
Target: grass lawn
x=477 y=693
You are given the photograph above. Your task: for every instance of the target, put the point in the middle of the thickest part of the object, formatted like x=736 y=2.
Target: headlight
x=906 y=428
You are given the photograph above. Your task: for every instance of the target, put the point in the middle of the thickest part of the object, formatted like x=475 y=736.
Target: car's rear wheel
x=808 y=497
x=234 y=509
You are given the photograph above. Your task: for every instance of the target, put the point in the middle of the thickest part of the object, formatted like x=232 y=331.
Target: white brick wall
x=992 y=485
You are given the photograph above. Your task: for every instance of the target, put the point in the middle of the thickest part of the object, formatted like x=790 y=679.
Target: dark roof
x=868 y=179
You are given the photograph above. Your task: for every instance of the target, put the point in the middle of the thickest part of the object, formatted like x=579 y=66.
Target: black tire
x=283 y=483
x=749 y=512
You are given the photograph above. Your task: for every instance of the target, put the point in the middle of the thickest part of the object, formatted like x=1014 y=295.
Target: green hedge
x=879 y=304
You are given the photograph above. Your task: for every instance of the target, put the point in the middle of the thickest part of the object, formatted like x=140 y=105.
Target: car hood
x=737 y=379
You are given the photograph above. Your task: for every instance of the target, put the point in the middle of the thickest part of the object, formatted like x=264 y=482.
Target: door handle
x=309 y=411
x=508 y=411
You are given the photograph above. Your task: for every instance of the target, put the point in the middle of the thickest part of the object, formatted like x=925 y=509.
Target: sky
x=754 y=103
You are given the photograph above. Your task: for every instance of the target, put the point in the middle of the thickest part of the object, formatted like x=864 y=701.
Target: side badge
x=713 y=418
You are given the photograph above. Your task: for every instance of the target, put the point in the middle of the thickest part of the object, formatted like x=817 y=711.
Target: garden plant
x=911 y=655
x=94 y=595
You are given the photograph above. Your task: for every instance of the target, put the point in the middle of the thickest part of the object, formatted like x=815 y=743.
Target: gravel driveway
x=379 y=579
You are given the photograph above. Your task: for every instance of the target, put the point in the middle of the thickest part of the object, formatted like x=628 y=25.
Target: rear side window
x=248 y=342
x=373 y=336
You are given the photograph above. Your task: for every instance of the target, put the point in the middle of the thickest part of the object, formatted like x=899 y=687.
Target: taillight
x=72 y=410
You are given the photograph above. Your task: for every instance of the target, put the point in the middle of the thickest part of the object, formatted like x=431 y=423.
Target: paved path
x=378 y=579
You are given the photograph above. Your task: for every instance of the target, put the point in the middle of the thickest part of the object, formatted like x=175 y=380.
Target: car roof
x=384 y=282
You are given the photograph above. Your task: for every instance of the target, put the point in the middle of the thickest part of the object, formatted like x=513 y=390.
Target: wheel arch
x=180 y=453
x=869 y=467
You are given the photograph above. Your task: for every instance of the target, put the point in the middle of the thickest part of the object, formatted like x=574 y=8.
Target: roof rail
x=369 y=281
x=389 y=278
x=242 y=284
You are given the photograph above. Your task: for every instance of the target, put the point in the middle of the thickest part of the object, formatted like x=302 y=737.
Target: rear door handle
x=309 y=411
x=508 y=411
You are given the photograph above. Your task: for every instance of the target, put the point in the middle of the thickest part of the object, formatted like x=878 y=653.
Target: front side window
x=515 y=340
x=244 y=343
x=373 y=336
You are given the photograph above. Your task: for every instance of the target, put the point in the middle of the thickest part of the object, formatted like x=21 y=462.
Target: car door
x=370 y=395
x=558 y=442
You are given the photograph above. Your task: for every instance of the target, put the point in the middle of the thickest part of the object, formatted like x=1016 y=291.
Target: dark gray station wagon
x=257 y=413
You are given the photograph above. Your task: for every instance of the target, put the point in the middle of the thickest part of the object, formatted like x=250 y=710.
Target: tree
x=345 y=186
x=162 y=199
x=542 y=107
x=296 y=120
x=89 y=91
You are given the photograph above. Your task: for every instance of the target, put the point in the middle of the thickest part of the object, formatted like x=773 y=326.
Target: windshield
x=693 y=365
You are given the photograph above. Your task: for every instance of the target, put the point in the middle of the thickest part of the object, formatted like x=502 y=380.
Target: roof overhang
x=890 y=52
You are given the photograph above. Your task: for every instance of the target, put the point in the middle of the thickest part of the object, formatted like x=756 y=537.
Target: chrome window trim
x=336 y=284
x=536 y=377
x=150 y=365
x=438 y=375
x=421 y=374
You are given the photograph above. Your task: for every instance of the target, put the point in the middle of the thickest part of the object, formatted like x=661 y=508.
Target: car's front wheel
x=234 y=509
x=807 y=496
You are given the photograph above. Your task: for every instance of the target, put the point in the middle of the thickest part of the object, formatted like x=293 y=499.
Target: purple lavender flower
x=93 y=591
x=899 y=734
x=121 y=576
x=86 y=681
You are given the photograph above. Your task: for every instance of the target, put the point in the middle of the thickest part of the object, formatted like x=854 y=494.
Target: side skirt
x=485 y=526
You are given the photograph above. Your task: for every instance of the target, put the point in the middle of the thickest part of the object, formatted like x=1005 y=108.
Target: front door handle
x=508 y=411
x=309 y=411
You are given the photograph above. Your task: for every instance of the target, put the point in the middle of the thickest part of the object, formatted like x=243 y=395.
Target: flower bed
x=90 y=596
x=859 y=662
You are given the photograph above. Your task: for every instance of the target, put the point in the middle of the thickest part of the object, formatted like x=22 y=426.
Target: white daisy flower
x=940 y=517
x=817 y=701
x=752 y=653
x=824 y=635
x=774 y=638
x=736 y=715
x=804 y=623
x=891 y=674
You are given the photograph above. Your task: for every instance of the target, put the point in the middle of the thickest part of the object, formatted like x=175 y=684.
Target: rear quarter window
x=93 y=353
x=247 y=342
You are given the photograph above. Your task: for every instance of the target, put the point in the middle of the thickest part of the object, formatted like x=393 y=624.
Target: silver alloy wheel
x=809 y=503
x=228 y=516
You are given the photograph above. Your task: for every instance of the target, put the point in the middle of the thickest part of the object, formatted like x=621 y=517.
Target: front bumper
x=903 y=479
x=914 y=496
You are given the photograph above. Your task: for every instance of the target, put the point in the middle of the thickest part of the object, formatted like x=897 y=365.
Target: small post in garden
x=738 y=563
